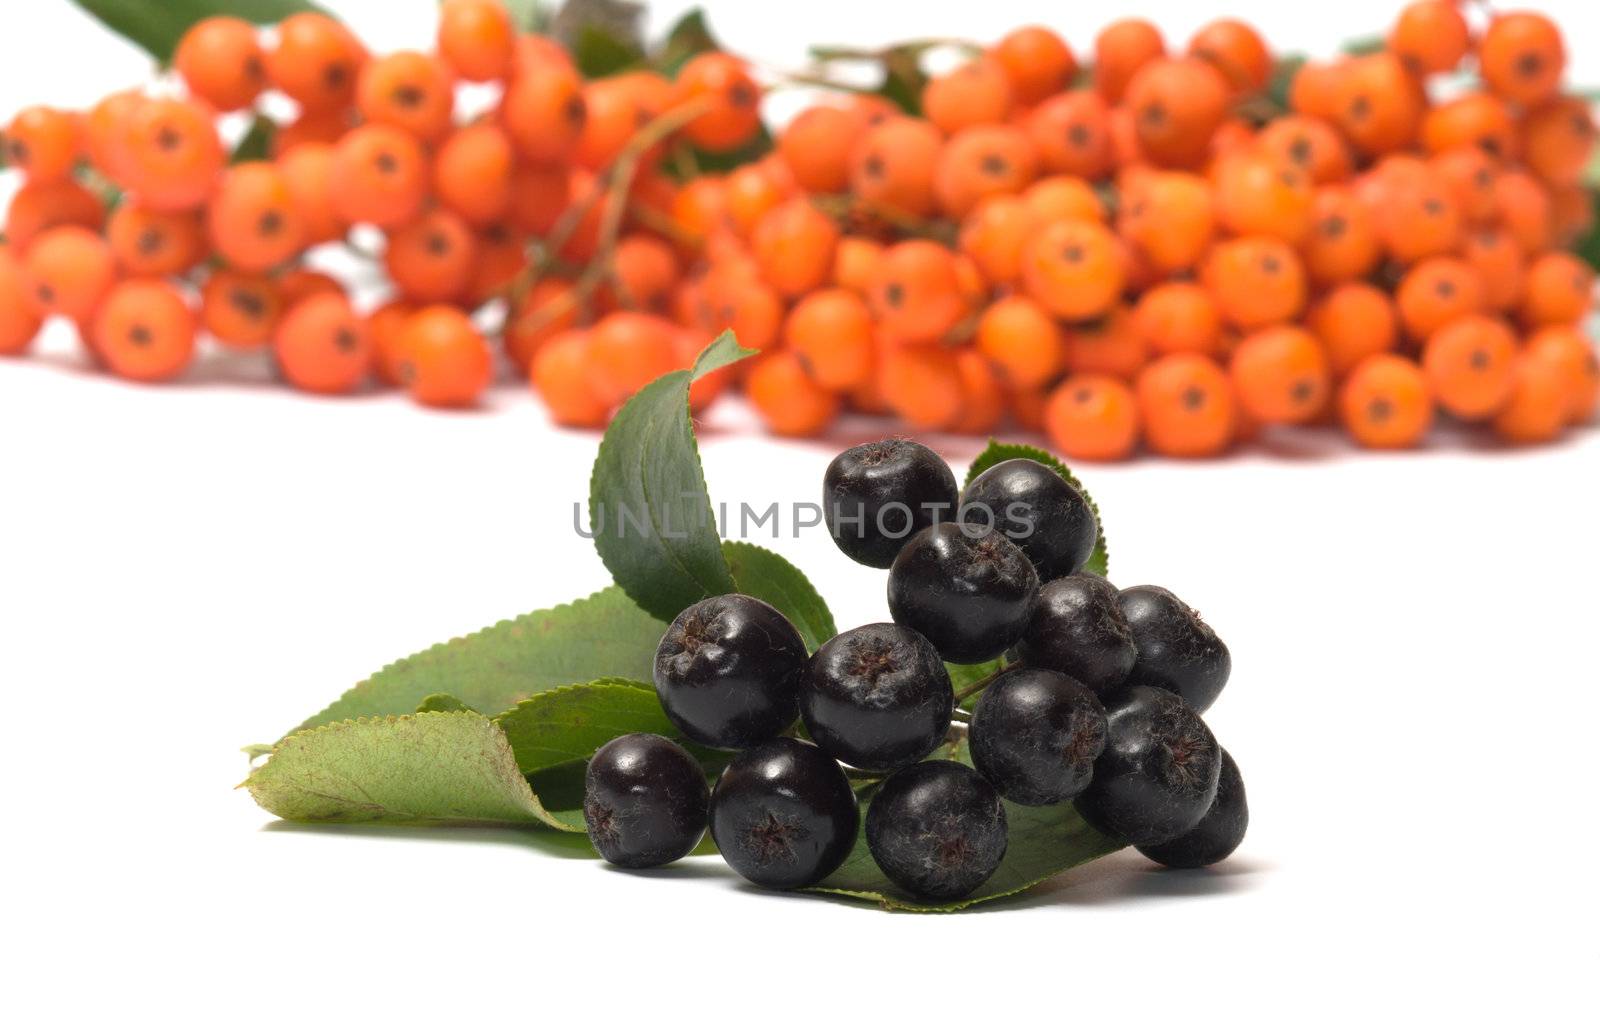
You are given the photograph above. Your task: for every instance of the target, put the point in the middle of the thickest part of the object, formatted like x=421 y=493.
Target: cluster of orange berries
x=1147 y=250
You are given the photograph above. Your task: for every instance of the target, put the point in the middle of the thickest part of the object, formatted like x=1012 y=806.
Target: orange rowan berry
x=43 y=143
x=1022 y=340
x=316 y=62
x=1169 y=218
x=1257 y=281
x=1344 y=243
x=626 y=351
x=1471 y=120
x=1524 y=210
x=222 y=63
x=1177 y=105
x=1186 y=405
x=1120 y=51
x=817 y=146
x=1073 y=268
x=68 y=271
x=976 y=93
x=787 y=399
x=411 y=91
x=983 y=398
x=539 y=197
x=831 y=332
x=1558 y=138
x=916 y=296
x=1258 y=196
x=173 y=154
x=1112 y=345
x=855 y=263
x=1309 y=144
x=544 y=112
x=1522 y=56
x=1420 y=220
x=444 y=361
x=748 y=194
x=982 y=161
x=1430 y=36
x=240 y=309
x=894 y=164
x=39 y=207
x=1178 y=316
x=1471 y=366
x=922 y=385
x=476 y=38
x=700 y=209
x=1436 y=292
x=560 y=374
x=1281 y=374
x=253 y=222
x=1377 y=103
x=144 y=331
x=155 y=243
x=1037 y=62
x=1314 y=90
x=1572 y=213
x=1469 y=174
x=616 y=108
x=752 y=309
x=1354 y=321
x=993 y=236
x=322 y=345
x=1385 y=403
x=323 y=128
x=297 y=284
x=1237 y=51
x=105 y=132
x=379 y=175
x=1569 y=350
x=308 y=173
x=1558 y=291
x=431 y=259
x=1071 y=133
x=549 y=309
x=1058 y=197
x=1499 y=262
x=721 y=83
x=644 y=269
x=19 y=323
x=793 y=246
x=1093 y=418
x=1536 y=406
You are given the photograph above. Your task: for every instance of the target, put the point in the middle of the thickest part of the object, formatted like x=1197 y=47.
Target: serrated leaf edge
x=1062 y=469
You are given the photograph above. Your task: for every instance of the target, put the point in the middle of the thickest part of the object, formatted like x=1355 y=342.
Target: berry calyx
x=937 y=829
x=783 y=814
x=877 y=697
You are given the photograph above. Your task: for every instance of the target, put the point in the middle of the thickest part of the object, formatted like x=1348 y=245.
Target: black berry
x=1158 y=774
x=1043 y=513
x=1036 y=734
x=1078 y=628
x=783 y=814
x=1177 y=650
x=727 y=671
x=877 y=697
x=967 y=589
x=1218 y=833
x=644 y=801
x=877 y=496
x=937 y=829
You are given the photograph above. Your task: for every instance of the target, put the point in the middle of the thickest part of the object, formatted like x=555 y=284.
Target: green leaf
x=528 y=15
x=904 y=78
x=688 y=37
x=157 y=25
x=997 y=452
x=604 y=634
x=569 y=724
x=1043 y=842
x=772 y=578
x=1363 y=46
x=599 y=52
x=648 y=507
x=444 y=703
x=256 y=144
x=759 y=146
x=436 y=767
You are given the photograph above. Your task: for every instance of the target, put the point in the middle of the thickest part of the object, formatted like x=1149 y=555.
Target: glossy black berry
x=1158 y=774
x=644 y=801
x=937 y=829
x=1219 y=831
x=877 y=697
x=728 y=670
x=1177 y=650
x=877 y=496
x=1041 y=512
x=1078 y=628
x=1036 y=734
x=968 y=589
x=783 y=814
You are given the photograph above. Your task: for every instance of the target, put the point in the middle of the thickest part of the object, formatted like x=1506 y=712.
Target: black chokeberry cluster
x=1097 y=702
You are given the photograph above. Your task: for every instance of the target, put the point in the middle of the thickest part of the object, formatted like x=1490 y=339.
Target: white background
x=188 y=569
